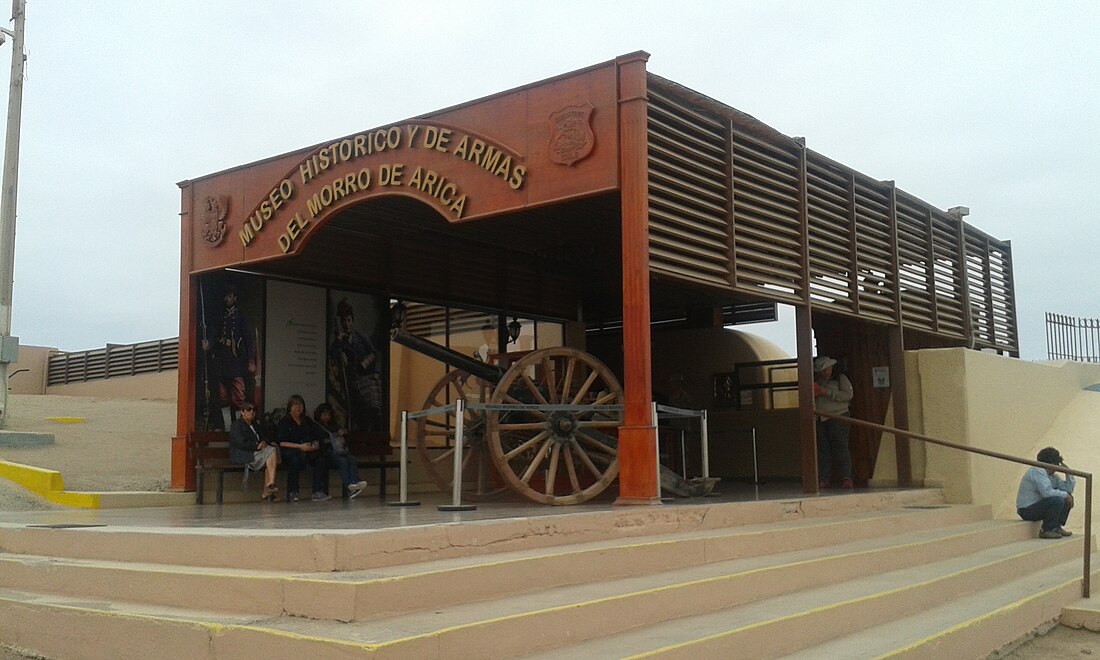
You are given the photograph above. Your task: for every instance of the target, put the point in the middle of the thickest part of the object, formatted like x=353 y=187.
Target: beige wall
x=998 y=403
x=35 y=359
x=157 y=386
x=696 y=355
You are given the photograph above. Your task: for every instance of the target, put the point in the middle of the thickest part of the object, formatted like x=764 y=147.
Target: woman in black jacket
x=247 y=447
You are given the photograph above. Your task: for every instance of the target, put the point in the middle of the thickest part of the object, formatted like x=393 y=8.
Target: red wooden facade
x=604 y=192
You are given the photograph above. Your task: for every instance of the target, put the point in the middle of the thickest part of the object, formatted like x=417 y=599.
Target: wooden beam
x=638 y=476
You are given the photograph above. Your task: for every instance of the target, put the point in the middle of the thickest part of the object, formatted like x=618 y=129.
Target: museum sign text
x=320 y=191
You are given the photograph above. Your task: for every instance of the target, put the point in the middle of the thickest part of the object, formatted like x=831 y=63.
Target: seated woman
x=300 y=440
x=338 y=453
x=247 y=447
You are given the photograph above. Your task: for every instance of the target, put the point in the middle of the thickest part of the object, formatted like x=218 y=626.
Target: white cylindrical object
x=456 y=486
x=755 y=472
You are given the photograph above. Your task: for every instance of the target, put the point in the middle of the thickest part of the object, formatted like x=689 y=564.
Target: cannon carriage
x=545 y=427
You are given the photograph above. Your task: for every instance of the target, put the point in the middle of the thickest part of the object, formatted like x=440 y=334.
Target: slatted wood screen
x=738 y=207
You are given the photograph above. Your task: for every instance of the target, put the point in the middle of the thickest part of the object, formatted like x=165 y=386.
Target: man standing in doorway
x=832 y=394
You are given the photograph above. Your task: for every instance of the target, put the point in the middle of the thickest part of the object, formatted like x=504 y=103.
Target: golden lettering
x=460 y=149
x=247 y=234
x=502 y=169
x=458 y=207
x=410 y=133
x=360 y=145
x=515 y=182
x=390 y=175
x=476 y=150
x=436 y=138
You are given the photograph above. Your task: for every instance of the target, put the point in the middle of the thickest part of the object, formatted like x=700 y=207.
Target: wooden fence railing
x=114 y=361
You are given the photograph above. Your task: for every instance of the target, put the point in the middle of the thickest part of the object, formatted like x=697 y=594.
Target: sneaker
x=1064 y=532
x=1050 y=534
x=321 y=497
x=847 y=483
x=354 y=492
x=292 y=496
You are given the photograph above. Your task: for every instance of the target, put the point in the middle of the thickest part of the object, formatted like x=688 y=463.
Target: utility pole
x=9 y=346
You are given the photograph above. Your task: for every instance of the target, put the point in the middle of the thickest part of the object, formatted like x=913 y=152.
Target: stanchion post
x=404 y=479
x=755 y=465
x=706 y=445
x=456 y=485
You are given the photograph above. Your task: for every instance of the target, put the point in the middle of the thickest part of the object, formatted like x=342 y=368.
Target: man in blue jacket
x=1045 y=496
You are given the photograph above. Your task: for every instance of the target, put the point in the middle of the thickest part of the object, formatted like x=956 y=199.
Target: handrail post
x=1087 y=476
x=1087 y=578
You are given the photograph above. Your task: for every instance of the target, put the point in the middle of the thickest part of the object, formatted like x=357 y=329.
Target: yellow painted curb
x=66 y=420
x=48 y=484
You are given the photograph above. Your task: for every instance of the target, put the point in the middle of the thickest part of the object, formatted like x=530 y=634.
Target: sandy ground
x=126 y=445
x=120 y=445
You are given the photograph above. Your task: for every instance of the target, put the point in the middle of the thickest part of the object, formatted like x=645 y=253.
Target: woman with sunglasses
x=247 y=447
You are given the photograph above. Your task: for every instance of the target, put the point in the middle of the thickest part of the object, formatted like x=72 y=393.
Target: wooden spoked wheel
x=435 y=438
x=556 y=457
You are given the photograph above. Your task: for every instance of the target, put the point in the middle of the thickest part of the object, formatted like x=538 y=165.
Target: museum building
x=617 y=220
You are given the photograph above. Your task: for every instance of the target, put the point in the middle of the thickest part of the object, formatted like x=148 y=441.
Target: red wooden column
x=638 y=479
x=183 y=470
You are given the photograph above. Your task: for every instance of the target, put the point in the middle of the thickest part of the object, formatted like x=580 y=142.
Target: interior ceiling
x=540 y=263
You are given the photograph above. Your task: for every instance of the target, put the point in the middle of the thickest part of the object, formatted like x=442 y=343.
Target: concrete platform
x=368 y=512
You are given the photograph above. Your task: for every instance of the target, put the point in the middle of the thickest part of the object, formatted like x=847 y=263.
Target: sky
x=990 y=105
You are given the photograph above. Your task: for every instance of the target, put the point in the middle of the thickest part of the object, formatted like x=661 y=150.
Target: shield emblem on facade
x=212 y=216
x=571 y=136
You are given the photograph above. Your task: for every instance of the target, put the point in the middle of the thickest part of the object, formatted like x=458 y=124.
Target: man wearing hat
x=832 y=395
x=1045 y=496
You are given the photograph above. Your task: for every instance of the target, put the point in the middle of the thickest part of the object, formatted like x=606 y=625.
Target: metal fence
x=114 y=361
x=1070 y=338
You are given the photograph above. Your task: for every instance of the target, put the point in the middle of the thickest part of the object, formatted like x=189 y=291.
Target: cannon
x=546 y=427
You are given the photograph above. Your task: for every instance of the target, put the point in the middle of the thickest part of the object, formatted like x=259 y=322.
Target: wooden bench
x=210 y=452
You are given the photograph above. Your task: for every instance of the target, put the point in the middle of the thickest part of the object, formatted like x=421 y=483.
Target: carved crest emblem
x=212 y=215
x=571 y=136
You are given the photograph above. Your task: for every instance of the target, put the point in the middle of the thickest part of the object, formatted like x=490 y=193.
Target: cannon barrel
x=486 y=372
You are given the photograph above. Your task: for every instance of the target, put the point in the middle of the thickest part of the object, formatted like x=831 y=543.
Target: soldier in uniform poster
x=355 y=373
x=231 y=358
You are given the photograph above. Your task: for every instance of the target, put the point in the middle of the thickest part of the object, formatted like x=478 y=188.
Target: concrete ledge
x=50 y=485
x=1085 y=613
x=21 y=440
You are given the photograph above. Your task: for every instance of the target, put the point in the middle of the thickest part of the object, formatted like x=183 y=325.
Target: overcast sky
x=991 y=105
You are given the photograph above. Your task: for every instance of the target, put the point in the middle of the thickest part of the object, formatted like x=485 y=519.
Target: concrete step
x=367 y=594
x=777 y=626
x=548 y=619
x=314 y=550
x=969 y=626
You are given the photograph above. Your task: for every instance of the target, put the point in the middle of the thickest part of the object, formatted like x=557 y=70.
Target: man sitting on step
x=1043 y=495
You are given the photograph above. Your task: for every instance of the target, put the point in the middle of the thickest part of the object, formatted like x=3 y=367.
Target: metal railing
x=114 y=361
x=1070 y=338
x=1087 y=476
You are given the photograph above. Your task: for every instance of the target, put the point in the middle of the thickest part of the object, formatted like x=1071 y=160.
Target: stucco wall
x=35 y=359
x=998 y=403
x=158 y=386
